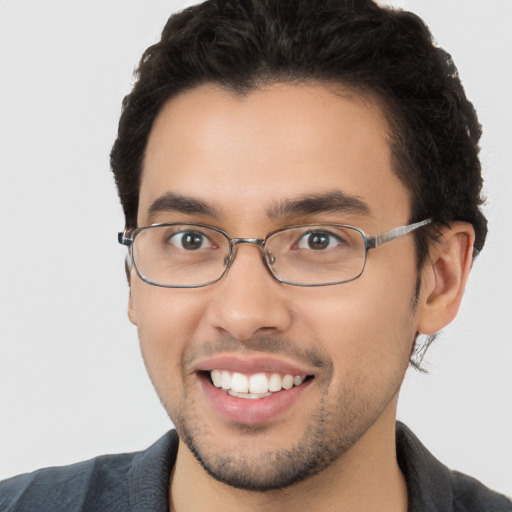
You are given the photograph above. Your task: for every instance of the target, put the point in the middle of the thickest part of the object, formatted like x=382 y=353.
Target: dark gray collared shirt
x=138 y=482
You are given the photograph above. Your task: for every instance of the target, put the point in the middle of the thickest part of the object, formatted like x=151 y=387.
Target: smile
x=257 y=385
x=253 y=390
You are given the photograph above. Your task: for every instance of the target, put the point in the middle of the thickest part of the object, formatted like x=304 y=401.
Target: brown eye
x=190 y=240
x=318 y=240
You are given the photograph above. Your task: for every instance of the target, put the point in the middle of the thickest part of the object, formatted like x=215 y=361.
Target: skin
x=243 y=156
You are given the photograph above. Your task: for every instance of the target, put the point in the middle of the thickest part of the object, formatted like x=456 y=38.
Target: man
x=301 y=188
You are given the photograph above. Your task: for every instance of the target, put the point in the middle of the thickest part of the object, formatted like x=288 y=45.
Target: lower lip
x=251 y=411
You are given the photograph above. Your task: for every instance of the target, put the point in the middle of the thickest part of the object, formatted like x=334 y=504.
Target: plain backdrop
x=72 y=380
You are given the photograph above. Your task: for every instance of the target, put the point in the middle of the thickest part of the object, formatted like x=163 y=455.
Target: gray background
x=72 y=380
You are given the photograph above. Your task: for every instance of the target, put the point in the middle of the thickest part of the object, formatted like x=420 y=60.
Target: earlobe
x=444 y=277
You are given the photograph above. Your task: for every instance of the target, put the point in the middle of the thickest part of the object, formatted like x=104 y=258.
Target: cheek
x=166 y=322
x=367 y=326
x=164 y=313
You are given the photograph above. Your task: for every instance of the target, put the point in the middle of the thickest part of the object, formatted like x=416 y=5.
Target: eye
x=319 y=240
x=190 y=240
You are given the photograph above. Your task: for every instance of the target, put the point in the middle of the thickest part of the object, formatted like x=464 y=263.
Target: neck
x=366 y=477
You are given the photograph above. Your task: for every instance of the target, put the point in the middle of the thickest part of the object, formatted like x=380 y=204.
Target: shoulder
x=105 y=483
x=469 y=495
x=67 y=488
x=432 y=486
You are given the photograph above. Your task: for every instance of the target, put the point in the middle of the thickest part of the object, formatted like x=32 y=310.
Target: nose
x=248 y=301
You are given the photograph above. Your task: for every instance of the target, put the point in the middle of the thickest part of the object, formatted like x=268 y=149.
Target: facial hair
x=340 y=418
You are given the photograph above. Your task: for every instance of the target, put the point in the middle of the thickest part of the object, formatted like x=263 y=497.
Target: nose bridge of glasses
x=258 y=242
x=252 y=241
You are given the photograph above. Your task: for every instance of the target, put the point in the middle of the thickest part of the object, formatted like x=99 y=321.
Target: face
x=250 y=165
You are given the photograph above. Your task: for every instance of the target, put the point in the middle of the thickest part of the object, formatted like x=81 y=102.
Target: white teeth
x=239 y=383
x=287 y=382
x=298 y=380
x=226 y=380
x=217 y=378
x=275 y=382
x=257 y=385
x=252 y=396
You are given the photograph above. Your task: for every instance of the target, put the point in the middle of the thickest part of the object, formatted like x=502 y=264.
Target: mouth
x=256 y=385
x=253 y=390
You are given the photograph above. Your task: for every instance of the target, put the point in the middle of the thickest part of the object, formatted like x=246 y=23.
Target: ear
x=444 y=277
x=131 y=312
x=128 y=271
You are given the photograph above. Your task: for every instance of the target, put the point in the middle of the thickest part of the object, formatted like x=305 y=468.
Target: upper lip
x=251 y=365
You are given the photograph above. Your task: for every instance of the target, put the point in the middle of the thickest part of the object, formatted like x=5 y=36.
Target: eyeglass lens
x=193 y=255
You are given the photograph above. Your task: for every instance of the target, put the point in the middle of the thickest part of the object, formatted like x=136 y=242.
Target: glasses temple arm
x=123 y=239
x=392 y=234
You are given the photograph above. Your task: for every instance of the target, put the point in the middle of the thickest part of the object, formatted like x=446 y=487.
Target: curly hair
x=241 y=45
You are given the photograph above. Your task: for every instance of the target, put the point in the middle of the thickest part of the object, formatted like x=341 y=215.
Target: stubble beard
x=339 y=419
x=331 y=431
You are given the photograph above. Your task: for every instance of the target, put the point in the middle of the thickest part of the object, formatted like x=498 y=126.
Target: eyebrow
x=330 y=202
x=171 y=202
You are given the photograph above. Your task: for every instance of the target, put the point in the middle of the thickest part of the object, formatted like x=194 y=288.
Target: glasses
x=185 y=255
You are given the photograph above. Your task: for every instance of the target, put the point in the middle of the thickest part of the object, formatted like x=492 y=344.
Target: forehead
x=249 y=154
